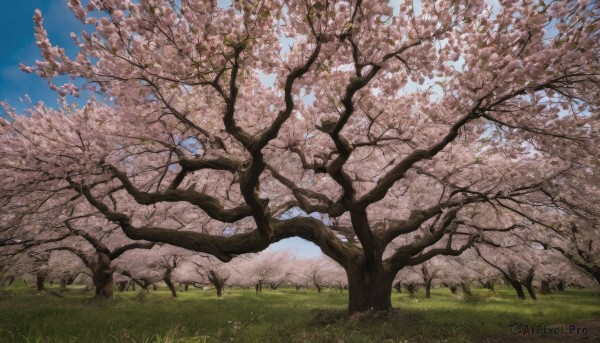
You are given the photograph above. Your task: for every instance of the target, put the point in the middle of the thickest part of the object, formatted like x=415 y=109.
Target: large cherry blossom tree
x=397 y=130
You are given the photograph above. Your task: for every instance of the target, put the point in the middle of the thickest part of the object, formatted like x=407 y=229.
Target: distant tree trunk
x=171 y=287
x=103 y=276
x=453 y=288
x=318 y=287
x=297 y=288
x=143 y=293
x=428 y=278
x=531 y=291
x=122 y=285
x=487 y=284
x=218 y=281
x=517 y=286
x=545 y=287
x=63 y=284
x=259 y=287
x=466 y=288
x=510 y=276
x=169 y=282
x=529 y=283
x=39 y=281
x=398 y=287
x=144 y=288
x=428 y=287
x=10 y=280
x=411 y=288
x=132 y=284
x=596 y=274
x=186 y=286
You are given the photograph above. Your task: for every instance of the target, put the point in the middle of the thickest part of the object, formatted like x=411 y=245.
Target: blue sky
x=18 y=46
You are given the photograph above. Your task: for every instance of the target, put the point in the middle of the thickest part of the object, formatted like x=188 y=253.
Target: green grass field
x=284 y=315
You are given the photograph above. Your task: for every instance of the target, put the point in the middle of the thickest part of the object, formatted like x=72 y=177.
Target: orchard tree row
x=536 y=271
x=389 y=136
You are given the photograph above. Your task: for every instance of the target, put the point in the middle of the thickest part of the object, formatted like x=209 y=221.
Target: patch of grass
x=284 y=315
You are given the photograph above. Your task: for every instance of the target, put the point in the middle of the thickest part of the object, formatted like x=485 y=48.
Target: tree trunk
x=545 y=287
x=103 y=276
x=560 y=286
x=63 y=284
x=318 y=287
x=39 y=281
x=218 y=281
x=369 y=288
x=143 y=293
x=104 y=286
x=411 y=288
x=518 y=288
x=529 y=283
x=453 y=288
x=466 y=288
x=122 y=285
x=487 y=284
x=186 y=286
x=70 y=280
x=428 y=288
x=531 y=291
x=398 y=287
x=171 y=287
x=219 y=287
x=144 y=284
x=596 y=275
x=167 y=280
x=297 y=288
x=428 y=278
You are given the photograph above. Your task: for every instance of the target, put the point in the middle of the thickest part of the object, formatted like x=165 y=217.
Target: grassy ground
x=286 y=315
